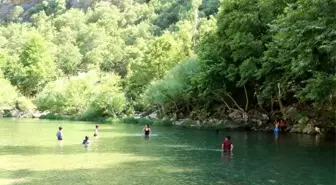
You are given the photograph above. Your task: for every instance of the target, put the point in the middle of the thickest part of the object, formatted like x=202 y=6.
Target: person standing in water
x=227 y=145
x=96 y=131
x=146 y=130
x=86 y=140
x=276 y=126
x=59 y=134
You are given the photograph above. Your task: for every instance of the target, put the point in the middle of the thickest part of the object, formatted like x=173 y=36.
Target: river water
x=31 y=155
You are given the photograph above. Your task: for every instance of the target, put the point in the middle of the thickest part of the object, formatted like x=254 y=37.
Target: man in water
x=59 y=134
x=227 y=145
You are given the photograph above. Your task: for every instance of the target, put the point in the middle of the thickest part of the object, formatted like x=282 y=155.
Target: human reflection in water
x=276 y=137
x=317 y=139
x=227 y=156
x=60 y=147
x=146 y=137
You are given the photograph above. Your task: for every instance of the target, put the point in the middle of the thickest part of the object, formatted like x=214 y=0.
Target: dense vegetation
x=188 y=58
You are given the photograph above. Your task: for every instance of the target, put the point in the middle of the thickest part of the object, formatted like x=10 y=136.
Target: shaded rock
x=235 y=115
x=297 y=129
x=184 y=123
x=14 y=113
x=309 y=129
x=303 y=120
x=38 y=114
x=291 y=112
x=152 y=116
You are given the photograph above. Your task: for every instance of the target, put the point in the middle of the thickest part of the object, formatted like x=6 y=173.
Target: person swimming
x=217 y=131
x=59 y=134
x=96 y=131
x=146 y=130
x=86 y=140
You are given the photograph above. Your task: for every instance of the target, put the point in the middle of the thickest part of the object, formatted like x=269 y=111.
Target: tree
x=34 y=69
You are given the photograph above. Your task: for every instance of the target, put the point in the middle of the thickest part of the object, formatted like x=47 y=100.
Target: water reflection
x=60 y=146
x=227 y=156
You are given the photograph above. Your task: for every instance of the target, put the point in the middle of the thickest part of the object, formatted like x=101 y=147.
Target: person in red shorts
x=227 y=145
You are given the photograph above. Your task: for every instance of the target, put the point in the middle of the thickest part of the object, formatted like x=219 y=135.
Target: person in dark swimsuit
x=86 y=140
x=59 y=134
x=146 y=130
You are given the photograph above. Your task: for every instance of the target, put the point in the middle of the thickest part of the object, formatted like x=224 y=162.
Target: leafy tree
x=34 y=68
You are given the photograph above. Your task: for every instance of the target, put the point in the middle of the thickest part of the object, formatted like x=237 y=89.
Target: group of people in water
x=86 y=140
x=227 y=145
x=146 y=130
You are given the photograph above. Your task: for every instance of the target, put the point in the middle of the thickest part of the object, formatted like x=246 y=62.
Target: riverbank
x=254 y=121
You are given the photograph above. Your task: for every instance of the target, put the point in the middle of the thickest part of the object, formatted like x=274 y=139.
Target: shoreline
x=255 y=125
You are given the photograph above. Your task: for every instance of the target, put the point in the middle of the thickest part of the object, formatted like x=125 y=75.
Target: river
x=31 y=155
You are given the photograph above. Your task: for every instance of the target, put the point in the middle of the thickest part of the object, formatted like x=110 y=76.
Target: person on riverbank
x=146 y=130
x=282 y=125
x=96 y=131
x=227 y=145
x=86 y=140
x=59 y=134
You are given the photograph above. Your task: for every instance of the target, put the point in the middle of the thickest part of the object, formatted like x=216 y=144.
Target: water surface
x=31 y=155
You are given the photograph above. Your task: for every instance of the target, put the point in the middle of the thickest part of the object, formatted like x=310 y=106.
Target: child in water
x=59 y=134
x=86 y=140
x=96 y=131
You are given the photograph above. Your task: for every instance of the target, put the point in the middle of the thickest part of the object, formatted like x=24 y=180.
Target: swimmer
x=146 y=130
x=217 y=131
x=86 y=140
x=59 y=134
x=227 y=145
x=96 y=131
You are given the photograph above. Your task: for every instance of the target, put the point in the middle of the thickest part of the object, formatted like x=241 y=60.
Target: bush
x=25 y=104
x=8 y=94
x=85 y=97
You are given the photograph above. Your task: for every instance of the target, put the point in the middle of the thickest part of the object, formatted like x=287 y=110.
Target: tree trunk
x=280 y=102
x=247 y=99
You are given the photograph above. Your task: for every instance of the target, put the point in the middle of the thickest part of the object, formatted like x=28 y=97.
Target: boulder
x=14 y=113
x=303 y=120
x=235 y=115
x=291 y=112
x=152 y=116
x=296 y=129
x=309 y=129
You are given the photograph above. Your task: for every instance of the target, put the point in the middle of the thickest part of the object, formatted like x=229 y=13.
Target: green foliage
x=196 y=58
x=84 y=96
x=34 y=69
x=8 y=94
x=174 y=90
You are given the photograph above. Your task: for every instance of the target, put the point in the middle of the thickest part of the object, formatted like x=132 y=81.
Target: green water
x=31 y=155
